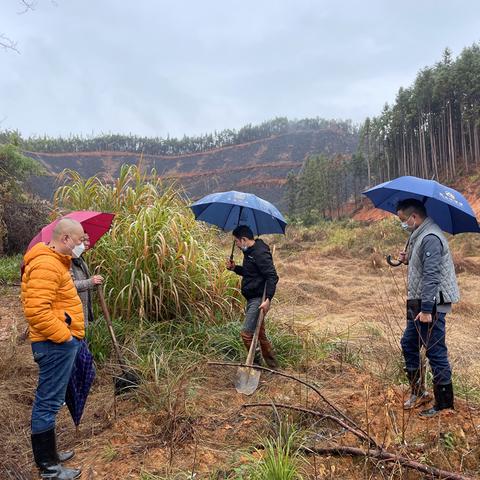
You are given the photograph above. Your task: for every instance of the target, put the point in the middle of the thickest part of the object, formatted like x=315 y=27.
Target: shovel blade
x=247 y=380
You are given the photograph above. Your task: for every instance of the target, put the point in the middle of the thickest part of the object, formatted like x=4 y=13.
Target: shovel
x=247 y=378
x=129 y=378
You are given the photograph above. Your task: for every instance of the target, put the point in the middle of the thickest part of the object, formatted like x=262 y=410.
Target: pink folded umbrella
x=96 y=224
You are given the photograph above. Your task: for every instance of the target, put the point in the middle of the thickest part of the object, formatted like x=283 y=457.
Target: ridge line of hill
x=173 y=156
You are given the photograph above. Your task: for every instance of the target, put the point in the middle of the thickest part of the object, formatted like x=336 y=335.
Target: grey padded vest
x=448 y=281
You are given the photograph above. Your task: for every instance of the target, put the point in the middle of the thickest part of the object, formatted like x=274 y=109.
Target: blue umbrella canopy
x=81 y=379
x=448 y=208
x=228 y=210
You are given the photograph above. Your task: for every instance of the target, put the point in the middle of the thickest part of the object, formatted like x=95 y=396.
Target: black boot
x=443 y=399
x=45 y=453
x=419 y=395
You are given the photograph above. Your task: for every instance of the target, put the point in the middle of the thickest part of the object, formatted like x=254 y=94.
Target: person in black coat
x=258 y=273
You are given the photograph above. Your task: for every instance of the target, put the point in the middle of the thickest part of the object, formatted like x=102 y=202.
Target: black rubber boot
x=418 y=396
x=443 y=400
x=45 y=453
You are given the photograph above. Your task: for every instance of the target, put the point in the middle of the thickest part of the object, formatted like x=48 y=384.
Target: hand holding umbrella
x=448 y=208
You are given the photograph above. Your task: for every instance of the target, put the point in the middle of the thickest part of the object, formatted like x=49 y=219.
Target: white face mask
x=78 y=250
x=407 y=227
x=243 y=247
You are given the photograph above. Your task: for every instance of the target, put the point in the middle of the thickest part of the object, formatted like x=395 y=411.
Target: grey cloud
x=156 y=67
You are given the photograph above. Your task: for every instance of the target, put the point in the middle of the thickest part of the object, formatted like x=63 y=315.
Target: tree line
x=323 y=186
x=172 y=146
x=430 y=131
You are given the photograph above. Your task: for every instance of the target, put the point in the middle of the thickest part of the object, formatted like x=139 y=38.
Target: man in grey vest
x=432 y=288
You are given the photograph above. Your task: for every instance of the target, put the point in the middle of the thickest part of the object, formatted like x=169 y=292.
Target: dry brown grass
x=361 y=306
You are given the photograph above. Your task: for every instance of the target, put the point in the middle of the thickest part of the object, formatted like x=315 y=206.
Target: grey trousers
x=251 y=314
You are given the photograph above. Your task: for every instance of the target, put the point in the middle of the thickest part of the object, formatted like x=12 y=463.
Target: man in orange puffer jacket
x=55 y=317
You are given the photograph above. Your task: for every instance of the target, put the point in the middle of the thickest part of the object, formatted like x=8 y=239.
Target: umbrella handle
x=393 y=263
x=397 y=263
x=108 y=320
x=233 y=249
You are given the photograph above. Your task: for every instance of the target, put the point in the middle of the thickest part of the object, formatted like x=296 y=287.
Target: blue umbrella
x=445 y=206
x=228 y=210
x=81 y=379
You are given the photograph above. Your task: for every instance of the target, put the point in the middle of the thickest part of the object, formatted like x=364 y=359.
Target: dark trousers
x=432 y=337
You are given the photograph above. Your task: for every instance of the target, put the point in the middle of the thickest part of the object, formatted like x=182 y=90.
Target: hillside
x=258 y=167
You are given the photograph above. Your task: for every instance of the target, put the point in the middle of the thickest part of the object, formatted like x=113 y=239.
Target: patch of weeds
x=99 y=340
x=373 y=330
x=345 y=350
x=279 y=459
x=448 y=440
x=149 y=476
x=292 y=349
x=225 y=341
x=10 y=268
x=110 y=453
x=466 y=387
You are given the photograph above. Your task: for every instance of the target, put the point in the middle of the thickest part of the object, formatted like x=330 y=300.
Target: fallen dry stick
x=356 y=432
x=389 y=457
x=309 y=385
x=376 y=453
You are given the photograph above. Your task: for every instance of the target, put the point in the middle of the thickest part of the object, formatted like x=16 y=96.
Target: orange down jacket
x=50 y=300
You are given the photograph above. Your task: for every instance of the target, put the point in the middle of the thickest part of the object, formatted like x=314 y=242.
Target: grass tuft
x=10 y=269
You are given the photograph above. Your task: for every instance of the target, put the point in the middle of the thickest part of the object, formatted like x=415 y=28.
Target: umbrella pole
x=238 y=223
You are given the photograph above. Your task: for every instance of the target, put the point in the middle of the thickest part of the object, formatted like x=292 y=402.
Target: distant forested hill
x=255 y=159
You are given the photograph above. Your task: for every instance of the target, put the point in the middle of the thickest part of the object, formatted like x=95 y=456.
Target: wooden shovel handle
x=108 y=320
x=253 y=346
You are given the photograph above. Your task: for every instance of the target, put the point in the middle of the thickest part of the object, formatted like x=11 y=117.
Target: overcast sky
x=153 y=67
